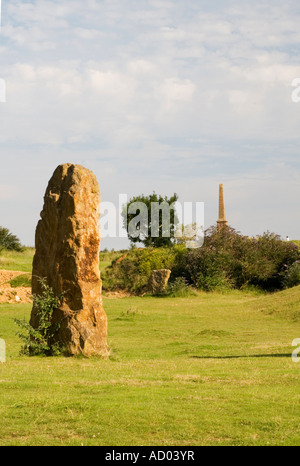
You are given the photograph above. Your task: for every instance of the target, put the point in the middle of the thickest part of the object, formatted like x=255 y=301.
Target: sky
x=153 y=95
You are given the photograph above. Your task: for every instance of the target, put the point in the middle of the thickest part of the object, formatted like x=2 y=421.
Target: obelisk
x=222 y=219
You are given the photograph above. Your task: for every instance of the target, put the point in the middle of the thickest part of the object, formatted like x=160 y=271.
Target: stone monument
x=222 y=219
x=67 y=243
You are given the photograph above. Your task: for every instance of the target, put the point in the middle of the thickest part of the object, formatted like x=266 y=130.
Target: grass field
x=21 y=261
x=211 y=369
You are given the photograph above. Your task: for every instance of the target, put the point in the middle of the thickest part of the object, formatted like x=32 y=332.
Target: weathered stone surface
x=67 y=245
x=158 y=280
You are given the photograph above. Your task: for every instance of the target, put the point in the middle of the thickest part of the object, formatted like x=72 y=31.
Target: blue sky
x=171 y=96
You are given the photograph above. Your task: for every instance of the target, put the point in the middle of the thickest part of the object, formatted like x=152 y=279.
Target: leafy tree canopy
x=151 y=220
x=9 y=241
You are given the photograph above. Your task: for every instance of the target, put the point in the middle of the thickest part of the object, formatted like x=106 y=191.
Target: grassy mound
x=284 y=304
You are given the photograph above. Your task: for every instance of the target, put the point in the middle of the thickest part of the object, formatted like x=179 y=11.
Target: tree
x=151 y=220
x=9 y=241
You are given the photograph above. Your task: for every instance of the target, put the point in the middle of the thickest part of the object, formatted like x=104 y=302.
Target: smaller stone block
x=158 y=280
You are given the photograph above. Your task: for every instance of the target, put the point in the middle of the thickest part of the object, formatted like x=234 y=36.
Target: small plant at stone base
x=40 y=340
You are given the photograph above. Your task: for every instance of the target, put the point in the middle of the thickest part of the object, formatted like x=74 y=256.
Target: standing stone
x=158 y=280
x=67 y=243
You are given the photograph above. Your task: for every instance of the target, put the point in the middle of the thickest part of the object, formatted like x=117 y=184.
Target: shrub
x=269 y=257
x=154 y=259
x=179 y=288
x=131 y=271
x=41 y=340
x=124 y=273
x=229 y=259
x=291 y=275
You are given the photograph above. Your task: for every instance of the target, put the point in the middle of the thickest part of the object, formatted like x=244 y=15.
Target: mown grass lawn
x=212 y=369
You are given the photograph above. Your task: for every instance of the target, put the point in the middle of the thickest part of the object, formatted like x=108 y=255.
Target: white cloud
x=88 y=34
x=109 y=82
x=156 y=93
x=174 y=89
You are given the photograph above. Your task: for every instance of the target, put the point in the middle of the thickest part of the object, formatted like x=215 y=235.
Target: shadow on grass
x=279 y=355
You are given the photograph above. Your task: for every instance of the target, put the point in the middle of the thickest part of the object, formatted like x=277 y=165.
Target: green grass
x=210 y=369
x=106 y=258
x=21 y=261
x=21 y=280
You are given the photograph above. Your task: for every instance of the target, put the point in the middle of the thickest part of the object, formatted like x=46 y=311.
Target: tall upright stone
x=222 y=219
x=67 y=243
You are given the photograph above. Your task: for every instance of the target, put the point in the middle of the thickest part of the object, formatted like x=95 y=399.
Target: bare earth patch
x=8 y=294
x=22 y=294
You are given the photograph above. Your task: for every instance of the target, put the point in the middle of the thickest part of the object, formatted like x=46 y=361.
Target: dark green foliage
x=144 y=227
x=41 y=340
x=9 y=241
x=227 y=259
x=291 y=275
x=132 y=271
x=179 y=288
